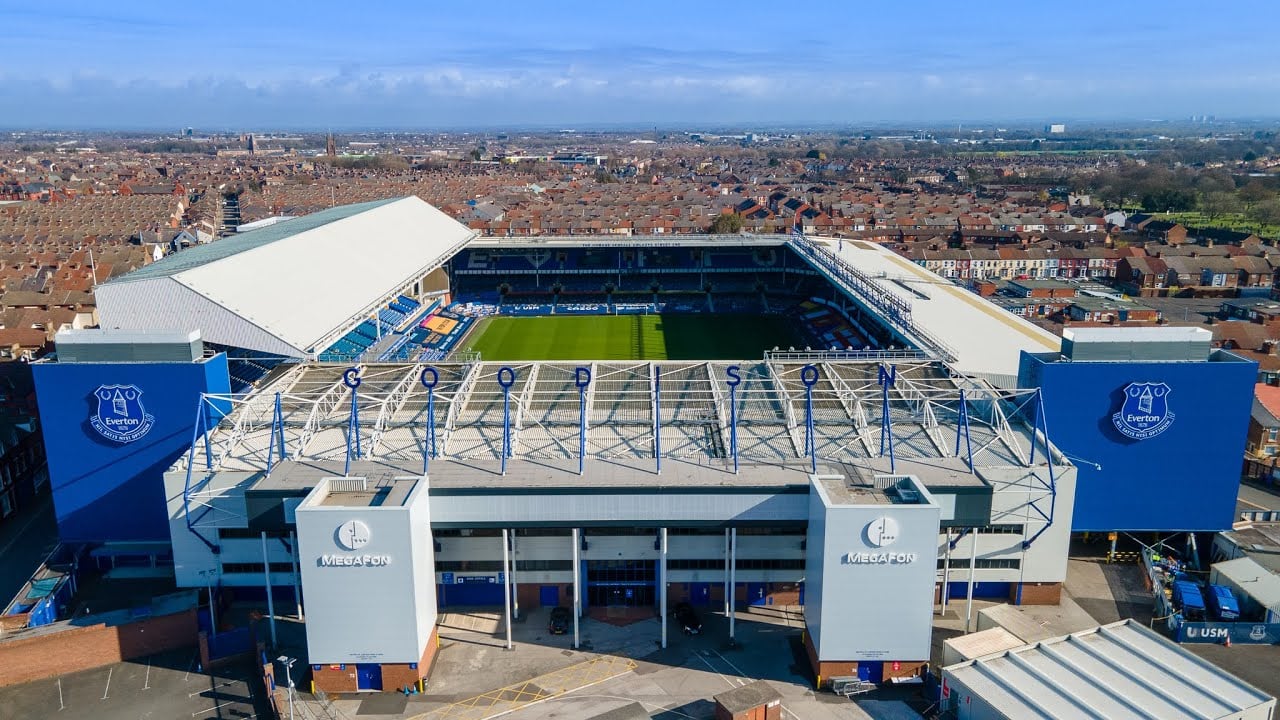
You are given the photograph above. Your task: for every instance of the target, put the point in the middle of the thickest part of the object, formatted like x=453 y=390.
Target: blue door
x=757 y=594
x=369 y=676
x=700 y=594
x=801 y=600
x=549 y=595
x=871 y=671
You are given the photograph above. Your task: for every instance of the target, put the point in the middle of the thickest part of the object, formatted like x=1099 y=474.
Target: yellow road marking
x=544 y=687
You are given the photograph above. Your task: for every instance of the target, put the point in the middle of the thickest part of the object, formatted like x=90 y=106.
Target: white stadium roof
x=291 y=288
x=985 y=338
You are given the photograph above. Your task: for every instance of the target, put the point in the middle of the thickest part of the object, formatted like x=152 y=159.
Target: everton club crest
x=121 y=416
x=1145 y=412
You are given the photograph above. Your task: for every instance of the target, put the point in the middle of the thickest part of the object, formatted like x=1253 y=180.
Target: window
x=1002 y=529
x=1271 y=434
x=466 y=532
x=249 y=534
x=477 y=566
x=982 y=564
x=742 y=564
x=543 y=565
x=254 y=568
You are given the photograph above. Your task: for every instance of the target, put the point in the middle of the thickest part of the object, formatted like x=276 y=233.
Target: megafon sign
x=879 y=533
x=350 y=536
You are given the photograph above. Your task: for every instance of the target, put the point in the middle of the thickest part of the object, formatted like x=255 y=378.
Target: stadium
x=373 y=413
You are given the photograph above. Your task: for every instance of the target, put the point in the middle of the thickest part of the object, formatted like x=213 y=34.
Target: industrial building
x=233 y=419
x=1121 y=670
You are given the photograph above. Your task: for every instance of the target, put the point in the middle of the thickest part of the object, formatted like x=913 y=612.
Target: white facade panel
x=372 y=599
x=877 y=573
x=645 y=507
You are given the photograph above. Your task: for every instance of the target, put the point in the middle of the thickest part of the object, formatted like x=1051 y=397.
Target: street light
x=288 y=673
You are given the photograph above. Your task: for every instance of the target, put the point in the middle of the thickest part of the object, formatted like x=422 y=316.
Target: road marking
x=726 y=661
x=1254 y=504
x=215 y=708
x=146 y=684
x=710 y=667
x=108 y=687
x=190 y=667
x=212 y=689
x=745 y=678
x=61 y=705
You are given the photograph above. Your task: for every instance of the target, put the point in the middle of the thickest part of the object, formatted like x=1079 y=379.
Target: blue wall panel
x=1186 y=477
x=107 y=456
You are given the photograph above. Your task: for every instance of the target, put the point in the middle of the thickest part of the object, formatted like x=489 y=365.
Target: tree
x=1266 y=212
x=1255 y=192
x=1169 y=200
x=1217 y=204
x=726 y=224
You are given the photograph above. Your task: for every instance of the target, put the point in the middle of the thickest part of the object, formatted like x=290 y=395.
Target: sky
x=280 y=64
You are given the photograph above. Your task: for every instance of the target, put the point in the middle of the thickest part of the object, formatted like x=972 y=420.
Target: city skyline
x=399 y=65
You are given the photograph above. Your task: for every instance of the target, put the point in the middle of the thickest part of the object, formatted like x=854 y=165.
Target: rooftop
x=691 y=417
x=1117 y=671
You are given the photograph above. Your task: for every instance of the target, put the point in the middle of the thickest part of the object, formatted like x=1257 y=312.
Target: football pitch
x=631 y=337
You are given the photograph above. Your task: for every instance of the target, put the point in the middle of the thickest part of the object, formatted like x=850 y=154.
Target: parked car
x=688 y=619
x=560 y=619
x=1222 y=602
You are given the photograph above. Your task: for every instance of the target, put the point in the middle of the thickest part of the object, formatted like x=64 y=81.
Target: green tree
x=1266 y=212
x=1255 y=192
x=726 y=224
x=1217 y=204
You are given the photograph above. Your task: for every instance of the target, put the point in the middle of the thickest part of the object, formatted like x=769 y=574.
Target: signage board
x=1244 y=633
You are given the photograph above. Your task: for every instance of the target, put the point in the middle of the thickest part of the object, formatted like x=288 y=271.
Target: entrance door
x=621 y=583
x=549 y=595
x=700 y=594
x=369 y=676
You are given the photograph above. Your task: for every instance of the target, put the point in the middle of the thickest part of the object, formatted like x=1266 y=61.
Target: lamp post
x=288 y=673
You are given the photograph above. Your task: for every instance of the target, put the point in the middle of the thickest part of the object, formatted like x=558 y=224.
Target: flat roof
x=1117 y=671
x=985 y=338
x=1167 y=334
x=297 y=476
x=1250 y=576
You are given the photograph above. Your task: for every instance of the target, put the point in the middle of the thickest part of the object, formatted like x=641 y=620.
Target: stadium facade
x=289 y=408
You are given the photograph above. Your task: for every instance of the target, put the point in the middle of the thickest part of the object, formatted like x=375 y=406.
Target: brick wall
x=83 y=648
x=395 y=677
x=1040 y=593
x=335 y=678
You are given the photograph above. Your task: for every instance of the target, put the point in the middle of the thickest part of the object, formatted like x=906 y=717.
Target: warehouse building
x=1121 y=670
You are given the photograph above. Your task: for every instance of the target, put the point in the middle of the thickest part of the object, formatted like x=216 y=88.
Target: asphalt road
x=1256 y=497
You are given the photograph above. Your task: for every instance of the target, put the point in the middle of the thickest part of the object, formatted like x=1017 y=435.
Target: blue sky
x=317 y=64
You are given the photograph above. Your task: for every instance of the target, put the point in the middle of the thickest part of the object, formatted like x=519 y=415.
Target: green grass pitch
x=631 y=337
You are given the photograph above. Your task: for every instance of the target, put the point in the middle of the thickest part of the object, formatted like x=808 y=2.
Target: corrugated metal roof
x=227 y=247
x=1117 y=671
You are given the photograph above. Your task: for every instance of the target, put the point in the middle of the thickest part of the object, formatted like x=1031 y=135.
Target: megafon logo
x=121 y=417
x=353 y=535
x=1145 y=411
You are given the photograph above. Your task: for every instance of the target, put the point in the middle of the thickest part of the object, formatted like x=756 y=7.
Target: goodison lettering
x=866 y=558
x=354 y=560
